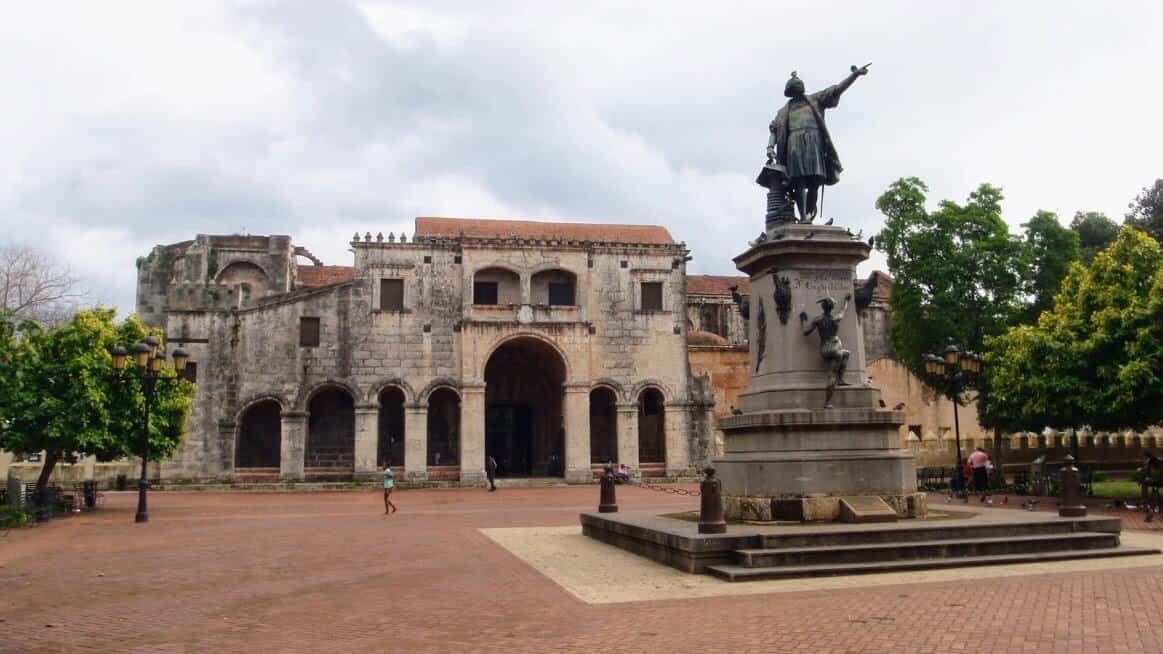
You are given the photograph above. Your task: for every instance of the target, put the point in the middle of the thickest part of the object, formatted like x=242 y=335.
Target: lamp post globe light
x=149 y=363
x=952 y=372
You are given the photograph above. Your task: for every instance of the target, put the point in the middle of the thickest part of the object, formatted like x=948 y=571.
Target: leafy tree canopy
x=1097 y=356
x=958 y=271
x=1050 y=250
x=1095 y=232
x=1146 y=211
x=61 y=396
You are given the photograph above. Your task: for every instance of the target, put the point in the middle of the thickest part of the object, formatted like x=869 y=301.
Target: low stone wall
x=1115 y=454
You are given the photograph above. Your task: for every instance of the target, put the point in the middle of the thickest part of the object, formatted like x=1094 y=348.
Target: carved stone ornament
x=761 y=334
x=782 y=297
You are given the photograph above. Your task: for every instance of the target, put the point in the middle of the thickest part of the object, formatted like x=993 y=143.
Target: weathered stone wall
x=248 y=352
x=724 y=372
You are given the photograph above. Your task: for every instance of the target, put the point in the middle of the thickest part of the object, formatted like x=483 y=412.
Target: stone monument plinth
x=794 y=452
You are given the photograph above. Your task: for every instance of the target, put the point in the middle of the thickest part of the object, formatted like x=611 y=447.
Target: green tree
x=62 y=398
x=1095 y=232
x=1050 y=250
x=1147 y=211
x=1097 y=356
x=959 y=272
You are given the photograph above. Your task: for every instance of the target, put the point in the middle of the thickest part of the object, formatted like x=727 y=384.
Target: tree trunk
x=50 y=462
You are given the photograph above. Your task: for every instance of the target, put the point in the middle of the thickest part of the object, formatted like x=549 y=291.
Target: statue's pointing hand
x=863 y=70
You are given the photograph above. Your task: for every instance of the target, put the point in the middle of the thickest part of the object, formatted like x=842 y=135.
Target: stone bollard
x=609 y=501
x=1070 y=492
x=711 y=508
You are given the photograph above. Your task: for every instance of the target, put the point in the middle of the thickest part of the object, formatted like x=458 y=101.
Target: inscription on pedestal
x=823 y=280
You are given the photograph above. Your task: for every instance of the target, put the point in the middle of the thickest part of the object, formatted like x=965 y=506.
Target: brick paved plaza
x=322 y=572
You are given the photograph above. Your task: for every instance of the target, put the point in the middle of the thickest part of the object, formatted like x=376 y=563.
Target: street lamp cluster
x=952 y=371
x=150 y=362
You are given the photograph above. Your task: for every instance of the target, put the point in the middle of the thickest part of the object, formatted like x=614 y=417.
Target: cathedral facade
x=551 y=347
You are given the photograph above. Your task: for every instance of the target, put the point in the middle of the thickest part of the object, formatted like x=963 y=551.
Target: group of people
x=973 y=476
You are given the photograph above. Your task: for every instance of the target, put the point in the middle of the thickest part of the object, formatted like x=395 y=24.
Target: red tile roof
x=324 y=275
x=716 y=284
x=883 y=289
x=488 y=228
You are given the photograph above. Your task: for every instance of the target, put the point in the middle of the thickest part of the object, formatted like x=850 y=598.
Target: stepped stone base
x=969 y=538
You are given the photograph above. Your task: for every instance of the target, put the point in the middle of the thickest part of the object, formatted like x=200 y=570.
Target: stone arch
x=618 y=389
x=553 y=285
x=603 y=424
x=509 y=338
x=525 y=379
x=435 y=385
x=305 y=397
x=444 y=404
x=258 y=434
x=330 y=443
x=651 y=424
x=666 y=391
x=378 y=388
x=505 y=285
x=249 y=278
x=390 y=440
x=284 y=405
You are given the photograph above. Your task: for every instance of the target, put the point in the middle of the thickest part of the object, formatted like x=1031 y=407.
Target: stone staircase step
x=903 y=532
x=740 y=573
x=870 y=552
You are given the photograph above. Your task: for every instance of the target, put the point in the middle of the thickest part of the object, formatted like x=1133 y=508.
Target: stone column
x=577 y=433
x=292 y=447
x=416 y=442
x=472 y=434
x=628 y=435
x=367 y=436
x=678 y=441
x=227 y=433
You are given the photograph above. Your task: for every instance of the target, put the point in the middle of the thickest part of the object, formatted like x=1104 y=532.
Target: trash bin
x=89 y=492
x=121 y=482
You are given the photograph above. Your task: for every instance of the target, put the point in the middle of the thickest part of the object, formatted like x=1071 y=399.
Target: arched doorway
x=651 y=427
x=391 y=436
x=523 y=409
x=330 y=431
x=259 y=436
x=443 y=427
x=603 y=426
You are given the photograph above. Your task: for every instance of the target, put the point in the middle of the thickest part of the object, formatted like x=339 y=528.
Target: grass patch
x=12 y=517
x=1120 y=490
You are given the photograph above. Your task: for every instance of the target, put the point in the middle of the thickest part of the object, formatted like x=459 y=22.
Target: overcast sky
x=129 y=124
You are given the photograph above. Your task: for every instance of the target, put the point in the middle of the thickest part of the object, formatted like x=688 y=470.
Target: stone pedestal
x=788 y=456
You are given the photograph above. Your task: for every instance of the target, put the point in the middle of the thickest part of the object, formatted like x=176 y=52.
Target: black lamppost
x=150 y=363
x=952 y=372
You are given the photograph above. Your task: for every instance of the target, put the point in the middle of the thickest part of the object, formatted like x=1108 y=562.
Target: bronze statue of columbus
x=800 y=155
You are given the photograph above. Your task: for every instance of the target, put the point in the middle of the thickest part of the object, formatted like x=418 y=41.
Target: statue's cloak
x=827 y=99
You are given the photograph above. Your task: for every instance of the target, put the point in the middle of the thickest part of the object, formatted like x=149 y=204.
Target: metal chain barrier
x=667 y=489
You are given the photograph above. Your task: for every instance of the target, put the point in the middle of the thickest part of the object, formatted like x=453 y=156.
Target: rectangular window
x=190 y=373
x=391 y=295
x=652 y=296
x=560 y=294
x=484 y=293
x=308 y=332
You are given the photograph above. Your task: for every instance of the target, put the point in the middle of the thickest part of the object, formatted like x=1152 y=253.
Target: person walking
x=979 y=462
x=389 y=485
x=491 y=472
